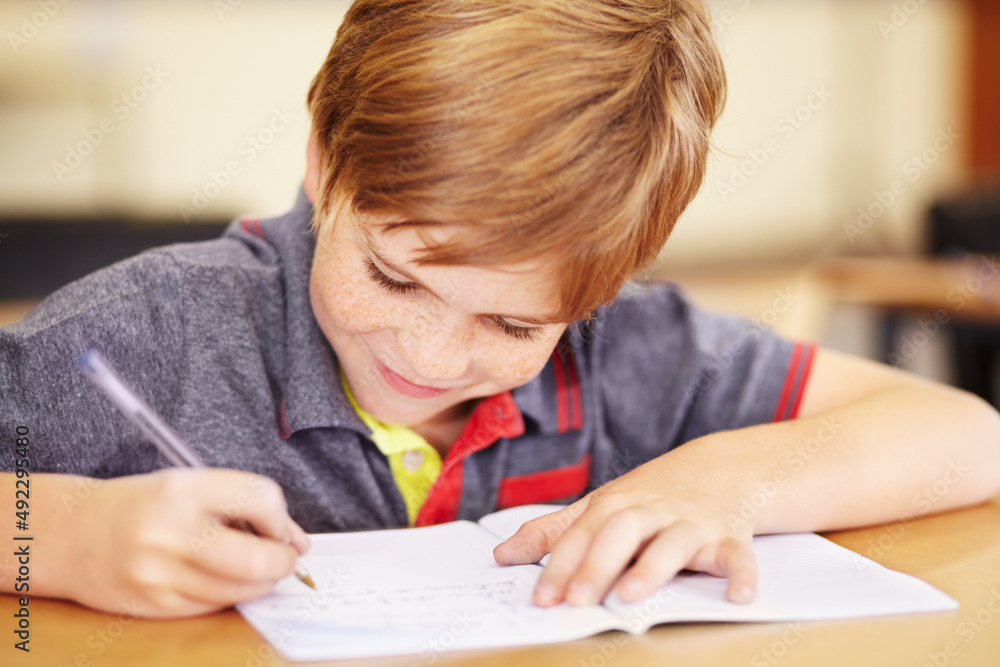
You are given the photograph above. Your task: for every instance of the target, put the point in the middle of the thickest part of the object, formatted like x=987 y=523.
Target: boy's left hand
x=664 y=520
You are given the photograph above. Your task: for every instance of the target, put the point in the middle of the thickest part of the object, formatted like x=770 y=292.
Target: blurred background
x=850 y=189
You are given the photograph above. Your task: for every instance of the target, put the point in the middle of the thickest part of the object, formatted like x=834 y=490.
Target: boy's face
x=417 y=341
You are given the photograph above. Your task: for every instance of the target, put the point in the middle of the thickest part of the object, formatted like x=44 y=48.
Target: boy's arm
x=152 y=545
x=872 y=444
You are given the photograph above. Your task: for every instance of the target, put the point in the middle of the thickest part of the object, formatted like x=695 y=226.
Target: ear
x=312 y=168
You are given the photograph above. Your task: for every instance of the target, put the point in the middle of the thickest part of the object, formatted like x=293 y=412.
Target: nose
x=438 y=349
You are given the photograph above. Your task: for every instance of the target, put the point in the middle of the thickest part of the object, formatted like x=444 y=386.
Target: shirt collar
x=311 y=396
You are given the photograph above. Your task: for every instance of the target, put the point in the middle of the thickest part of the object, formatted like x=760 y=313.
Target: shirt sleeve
x=132 y=312
x=667 y=372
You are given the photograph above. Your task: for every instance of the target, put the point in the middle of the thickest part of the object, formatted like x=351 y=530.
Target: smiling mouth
x=404 y=386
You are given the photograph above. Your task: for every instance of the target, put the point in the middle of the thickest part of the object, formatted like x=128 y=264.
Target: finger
x=236 y=495
x=263 y=507
x=620 y=537
x=183 y=607
x=174 y=587
x=240 y=556
x=565 y=560
x=736 y=560
x=300 y=539
x=213 y=591
x=536 y=537
x=666 y=555
x=568 y=554
x=169 y=603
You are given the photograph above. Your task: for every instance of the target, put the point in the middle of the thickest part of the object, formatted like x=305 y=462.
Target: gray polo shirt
x=220 y=339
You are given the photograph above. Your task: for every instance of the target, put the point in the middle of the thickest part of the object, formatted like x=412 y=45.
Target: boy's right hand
x=162 y=544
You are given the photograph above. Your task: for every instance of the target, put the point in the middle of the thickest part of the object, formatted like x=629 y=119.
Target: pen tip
x=307 y=580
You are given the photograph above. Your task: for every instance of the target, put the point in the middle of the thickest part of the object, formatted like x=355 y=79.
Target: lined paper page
x=411 y=591
x=426 y=590
x=800 y=577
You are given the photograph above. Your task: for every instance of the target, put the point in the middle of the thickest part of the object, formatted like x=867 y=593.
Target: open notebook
x=425 y=590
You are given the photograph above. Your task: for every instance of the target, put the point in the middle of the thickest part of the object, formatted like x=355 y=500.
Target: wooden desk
x=959 y=552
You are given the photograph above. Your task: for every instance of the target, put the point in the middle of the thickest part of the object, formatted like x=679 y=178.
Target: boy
x=426 y=337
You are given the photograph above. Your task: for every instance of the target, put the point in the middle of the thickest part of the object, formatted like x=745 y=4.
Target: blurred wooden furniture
x=14 y=311
x=797 y=298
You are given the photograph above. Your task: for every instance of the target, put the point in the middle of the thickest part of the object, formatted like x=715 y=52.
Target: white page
x=800 y=577
x=411 y=591
x=419 y=591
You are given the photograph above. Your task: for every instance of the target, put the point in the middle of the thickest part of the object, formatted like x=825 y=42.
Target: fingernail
x=545 y=594
x=630 y=590
x=742 y=594
x=580 y=594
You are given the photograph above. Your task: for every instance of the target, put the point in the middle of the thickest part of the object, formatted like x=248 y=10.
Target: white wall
x=226 y=77
x=881 y=83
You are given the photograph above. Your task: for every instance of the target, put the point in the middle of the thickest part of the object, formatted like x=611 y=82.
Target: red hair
x=570 y=132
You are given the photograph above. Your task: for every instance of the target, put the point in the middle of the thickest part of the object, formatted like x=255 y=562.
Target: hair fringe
x=570 y=132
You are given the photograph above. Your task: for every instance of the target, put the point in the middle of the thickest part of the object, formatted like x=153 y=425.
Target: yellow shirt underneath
x=414 y=464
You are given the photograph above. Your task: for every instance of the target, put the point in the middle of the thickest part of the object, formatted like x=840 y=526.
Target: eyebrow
x=533 y=320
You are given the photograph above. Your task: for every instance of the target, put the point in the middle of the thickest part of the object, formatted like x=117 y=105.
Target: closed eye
x=400 y=287
x=514 y=331
x=387 y=283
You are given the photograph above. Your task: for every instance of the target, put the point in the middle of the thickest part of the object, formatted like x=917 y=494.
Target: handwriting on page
x=425 y=590
x=500 y=604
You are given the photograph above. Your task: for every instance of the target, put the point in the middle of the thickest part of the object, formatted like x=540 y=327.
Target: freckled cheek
x=351 y=306
x=511 y=366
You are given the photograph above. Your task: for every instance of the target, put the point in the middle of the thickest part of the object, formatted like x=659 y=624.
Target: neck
x=443 y=430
